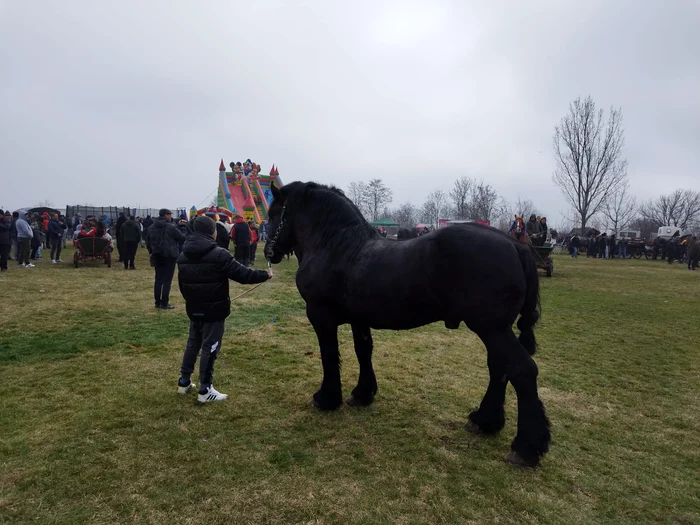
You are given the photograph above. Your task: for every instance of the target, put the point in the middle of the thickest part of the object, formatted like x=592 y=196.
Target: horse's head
x=280 y=234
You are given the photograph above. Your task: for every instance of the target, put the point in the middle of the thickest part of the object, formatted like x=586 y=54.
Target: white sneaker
x=182 y=390
x=59 y=260
x=29 y=265
x=211 y=395
x=53 y=261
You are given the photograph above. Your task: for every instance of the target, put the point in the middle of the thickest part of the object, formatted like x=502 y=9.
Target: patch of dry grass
x=93 y=431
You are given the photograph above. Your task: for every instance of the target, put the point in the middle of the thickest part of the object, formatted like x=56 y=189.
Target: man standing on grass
x=162 y=241
x=56 y=232
x=240 y=235
x=131 y=235
x=204 y=271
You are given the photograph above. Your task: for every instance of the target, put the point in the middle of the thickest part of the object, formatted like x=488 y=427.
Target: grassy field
x=92 y=430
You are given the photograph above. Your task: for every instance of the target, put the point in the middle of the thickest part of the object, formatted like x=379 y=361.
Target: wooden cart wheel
x=109 y=259
x=637 y=254
x=75 y=259
x=550 y=268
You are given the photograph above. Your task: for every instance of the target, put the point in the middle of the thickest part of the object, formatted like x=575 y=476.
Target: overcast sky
x=135 y=102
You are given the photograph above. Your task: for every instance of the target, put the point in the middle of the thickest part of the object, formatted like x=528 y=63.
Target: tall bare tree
x=680 y=208
x=588 y=153
x=460 y=197
x=377 y=198
x=434 y=207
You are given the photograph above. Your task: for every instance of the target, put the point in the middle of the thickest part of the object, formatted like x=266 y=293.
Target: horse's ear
x=276 y=193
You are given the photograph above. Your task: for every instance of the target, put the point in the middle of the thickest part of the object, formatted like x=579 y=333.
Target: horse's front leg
x=330 y=395
x=363 y=394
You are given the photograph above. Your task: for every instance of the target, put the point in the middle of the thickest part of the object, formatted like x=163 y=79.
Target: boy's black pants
x=206 y=336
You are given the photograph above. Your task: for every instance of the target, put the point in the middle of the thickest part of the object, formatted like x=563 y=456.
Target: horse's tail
x=530 y=312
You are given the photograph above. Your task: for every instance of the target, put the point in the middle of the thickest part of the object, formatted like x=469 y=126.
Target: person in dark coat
x=5 y=242
x=131 y=236
x=240 y=235
x=544 y=229
x=162 y=242
x=118 y=232
x=56 y=232
x=602 y=244
x=611 y=246
x=533 y=229
x=204 y=272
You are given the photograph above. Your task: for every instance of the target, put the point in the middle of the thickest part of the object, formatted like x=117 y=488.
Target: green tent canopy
x=384 y=222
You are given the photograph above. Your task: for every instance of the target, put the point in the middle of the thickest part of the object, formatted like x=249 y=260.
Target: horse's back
x=453 y=274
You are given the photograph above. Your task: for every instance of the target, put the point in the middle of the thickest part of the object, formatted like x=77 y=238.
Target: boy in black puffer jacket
x=204 y=271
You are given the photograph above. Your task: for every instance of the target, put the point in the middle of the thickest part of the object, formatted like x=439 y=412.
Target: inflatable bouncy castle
x=244 y=191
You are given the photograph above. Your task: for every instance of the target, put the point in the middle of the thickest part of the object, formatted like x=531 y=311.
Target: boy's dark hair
x=163 y=212
x=204 y=225
x=15 y=214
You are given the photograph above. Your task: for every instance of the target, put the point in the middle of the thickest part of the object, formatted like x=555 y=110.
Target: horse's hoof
x=357 y=402
x=474 y=428
x=517 y=460
x=318 y=402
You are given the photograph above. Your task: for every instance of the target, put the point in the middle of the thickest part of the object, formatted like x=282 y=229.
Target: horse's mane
x=340 y=225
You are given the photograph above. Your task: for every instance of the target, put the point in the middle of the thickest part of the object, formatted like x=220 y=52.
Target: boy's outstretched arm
x=239 y=273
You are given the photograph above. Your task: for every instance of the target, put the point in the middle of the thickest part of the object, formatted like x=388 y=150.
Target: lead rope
x=269 y=267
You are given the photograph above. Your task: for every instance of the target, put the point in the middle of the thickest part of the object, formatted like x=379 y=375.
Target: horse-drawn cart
x=92 y=249
x=543 y=255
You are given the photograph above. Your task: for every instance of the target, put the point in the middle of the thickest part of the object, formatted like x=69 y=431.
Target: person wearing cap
x=162 y=242
x=5 y=244
x=203 y=277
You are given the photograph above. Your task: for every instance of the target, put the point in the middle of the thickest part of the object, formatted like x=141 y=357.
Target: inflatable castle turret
x=245 y=192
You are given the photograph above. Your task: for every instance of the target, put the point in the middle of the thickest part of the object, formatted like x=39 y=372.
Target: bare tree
x=434 y=207
x=588 y=154
x=524 y=208
x=214 y=201
x=357 y=193
x=460 y=197
x=620 y=208
x=46 y=203
x=484 y=202
x=405 y=215
x=377 y=198
x=680 y=208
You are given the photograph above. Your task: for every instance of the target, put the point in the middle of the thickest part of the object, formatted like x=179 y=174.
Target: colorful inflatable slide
x=245 y=192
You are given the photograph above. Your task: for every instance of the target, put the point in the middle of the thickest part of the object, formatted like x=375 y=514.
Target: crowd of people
x=24 y=238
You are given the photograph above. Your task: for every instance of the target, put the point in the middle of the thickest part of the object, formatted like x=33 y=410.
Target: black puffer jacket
x=5 y=231
x=203 y=273
x=163 y=239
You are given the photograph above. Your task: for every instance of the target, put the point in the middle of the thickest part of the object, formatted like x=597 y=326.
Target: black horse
x=474 y=274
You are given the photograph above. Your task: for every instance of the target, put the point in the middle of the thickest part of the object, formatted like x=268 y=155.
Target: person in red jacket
x=253 y=241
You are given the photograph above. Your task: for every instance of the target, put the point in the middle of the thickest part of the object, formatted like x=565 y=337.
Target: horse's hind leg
x=363 y=394
x=490 y=417
x=533 y=437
